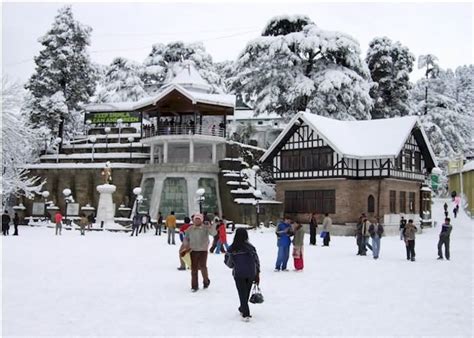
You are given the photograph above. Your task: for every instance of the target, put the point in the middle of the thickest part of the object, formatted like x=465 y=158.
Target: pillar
x=191 y=151
x=165 y=152
x=214 y=153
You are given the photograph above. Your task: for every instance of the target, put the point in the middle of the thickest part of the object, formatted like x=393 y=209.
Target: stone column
x=105 y=209
x=191 y=151
x=152 y=153
x=214 y=153
x=165 y=152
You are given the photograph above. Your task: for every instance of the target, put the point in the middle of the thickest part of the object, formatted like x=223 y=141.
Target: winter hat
x=200 y=216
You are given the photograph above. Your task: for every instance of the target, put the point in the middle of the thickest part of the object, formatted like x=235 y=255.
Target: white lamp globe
x=137 y=191
x=45 y=194
x=200 y=191
x=67 y=192
x=258 y=194
x=107 y=130
x=131 y=139
x=93 y=139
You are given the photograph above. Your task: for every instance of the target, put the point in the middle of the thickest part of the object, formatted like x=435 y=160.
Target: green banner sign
x=434 y=182
x=112 y=117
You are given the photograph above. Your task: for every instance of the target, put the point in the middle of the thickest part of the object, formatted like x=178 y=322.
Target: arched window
x=371 y=204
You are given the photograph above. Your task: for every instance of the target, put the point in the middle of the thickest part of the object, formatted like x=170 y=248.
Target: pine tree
x=158 y=66
x=390 y=65
x=122 y=82
x=308 y=68
x=63 y=73
x=18 y=140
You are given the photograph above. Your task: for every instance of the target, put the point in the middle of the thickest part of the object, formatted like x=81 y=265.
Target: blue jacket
x=283 y=238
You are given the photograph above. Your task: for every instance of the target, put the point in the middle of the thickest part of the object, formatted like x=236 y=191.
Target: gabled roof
x=188 y=77
x=368 y=139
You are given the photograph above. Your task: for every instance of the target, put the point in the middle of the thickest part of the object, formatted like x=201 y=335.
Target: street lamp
x=256 y=169
x=92 y=139
x=130 y=139
x=107 y=131
x=67 y=199
x=58 y=142
x=200 y=192
x=119 y=125
x=138 y=192
x=88 y=126
x=45 y=195
x=258 y=197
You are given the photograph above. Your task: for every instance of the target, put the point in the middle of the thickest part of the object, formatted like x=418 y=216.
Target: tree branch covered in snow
x=19 y=141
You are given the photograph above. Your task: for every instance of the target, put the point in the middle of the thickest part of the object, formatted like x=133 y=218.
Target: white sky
x=129 y=29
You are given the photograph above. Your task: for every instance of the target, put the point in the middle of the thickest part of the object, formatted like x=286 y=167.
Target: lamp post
x=119 y=125
x=200 y=192
x=92 y=139
x=88 y=126
x=255 y=169
x=138 y=192
x=45 y=195
x=67 y=197
x=258 y=197
x=130 y=139
x=107 y=131
x=58 y=143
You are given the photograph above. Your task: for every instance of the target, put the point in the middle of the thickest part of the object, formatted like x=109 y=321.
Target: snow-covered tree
x=18 y=140
x=158 y=66
x=390 y=65
x=122 y=82
x=447 y=122
x=63 y=75
x=308 y=68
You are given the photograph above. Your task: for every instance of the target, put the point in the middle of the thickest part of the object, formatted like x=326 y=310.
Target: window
x=398 y=162
x=417 y=161
x=308 y=201
x=403 y=207
x=174 y=197
x=371 y=204
x=260 y=122
x=411 y=202
x=320 y=158
x=393 y=201
x=408 y=165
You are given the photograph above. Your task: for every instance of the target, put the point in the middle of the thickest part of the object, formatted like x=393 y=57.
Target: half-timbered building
x=346 y=168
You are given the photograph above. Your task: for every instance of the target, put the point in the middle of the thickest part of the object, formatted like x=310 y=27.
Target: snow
x=469 y=166
x=110 y=284
x=98 y=165
x=240 y=115
x=96 y=156
x=358 y=139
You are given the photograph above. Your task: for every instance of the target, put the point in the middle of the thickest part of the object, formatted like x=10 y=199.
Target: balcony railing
x=151 y=131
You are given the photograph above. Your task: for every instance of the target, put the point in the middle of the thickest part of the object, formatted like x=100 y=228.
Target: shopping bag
x=323 y=234
x=187 y=259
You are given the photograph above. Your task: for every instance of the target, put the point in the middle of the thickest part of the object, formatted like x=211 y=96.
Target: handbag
x=256 y=296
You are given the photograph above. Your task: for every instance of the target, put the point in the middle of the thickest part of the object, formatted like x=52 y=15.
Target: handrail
x=184 y=130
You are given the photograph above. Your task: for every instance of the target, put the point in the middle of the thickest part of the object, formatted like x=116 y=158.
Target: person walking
x=403 y=222
x=216 y=223
x=90 y=221
x=376 y=231
x=58 y=218
x=444 y=236
x=170 y=224
x=6 y=219
x=410 y=230
x=298 y=241
x=327 y=223
x=222 y=241
x=136 y=222
x=182 y=231
x=83 y=223
x=358 y=234
x=16 y=222
x=159 y=224
x=445 y=206
x=456 y=210
x=242 y=257
x=313 y=226
x=283 y=233
x=196 y=240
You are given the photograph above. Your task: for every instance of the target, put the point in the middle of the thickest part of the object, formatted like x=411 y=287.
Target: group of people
x=365 y=230
x=6 y=220
x=170 y=126
x=289 y=228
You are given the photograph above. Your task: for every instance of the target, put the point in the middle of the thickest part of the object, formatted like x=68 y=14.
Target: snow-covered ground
x=112 y=284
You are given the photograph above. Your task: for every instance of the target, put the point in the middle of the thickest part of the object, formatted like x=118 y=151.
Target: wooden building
x=346 y=168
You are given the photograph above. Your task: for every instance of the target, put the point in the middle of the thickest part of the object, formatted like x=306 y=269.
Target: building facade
x=346 y=168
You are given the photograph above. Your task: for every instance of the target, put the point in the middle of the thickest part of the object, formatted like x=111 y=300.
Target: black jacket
x=245 y=262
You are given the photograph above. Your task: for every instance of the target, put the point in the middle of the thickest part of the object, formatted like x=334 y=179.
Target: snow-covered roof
x=193 y=95
x=469 y=166
x=188 y=77
x=367 y=139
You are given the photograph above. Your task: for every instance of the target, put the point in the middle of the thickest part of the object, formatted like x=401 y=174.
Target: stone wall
x=352 y=196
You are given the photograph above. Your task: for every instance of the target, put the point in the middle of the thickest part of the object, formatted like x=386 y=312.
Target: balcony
x=152 y=131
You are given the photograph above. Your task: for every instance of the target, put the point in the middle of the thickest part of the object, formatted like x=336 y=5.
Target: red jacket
x=58 y=217
x=184 y=227
x=222 y=233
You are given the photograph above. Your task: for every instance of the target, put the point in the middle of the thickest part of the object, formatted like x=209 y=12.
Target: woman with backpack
x=243 y=259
